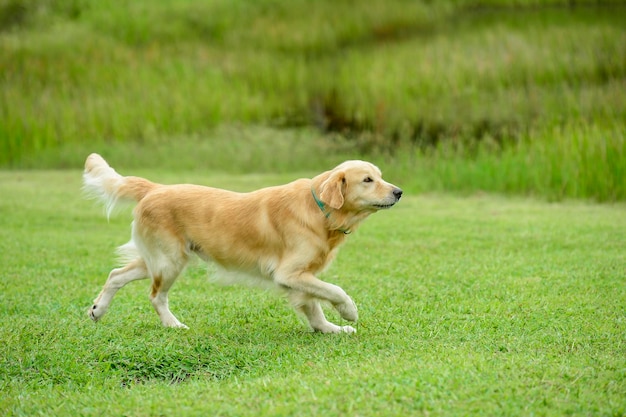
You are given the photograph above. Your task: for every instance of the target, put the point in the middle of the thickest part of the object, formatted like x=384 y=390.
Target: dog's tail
x=102 y=182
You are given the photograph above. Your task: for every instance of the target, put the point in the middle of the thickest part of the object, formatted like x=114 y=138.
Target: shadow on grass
x=133 y=348
x=214 y=352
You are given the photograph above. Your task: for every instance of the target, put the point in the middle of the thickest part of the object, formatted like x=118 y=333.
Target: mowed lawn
x=468 y=306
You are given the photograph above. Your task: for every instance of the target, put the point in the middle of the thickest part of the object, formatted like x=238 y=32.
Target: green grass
x=468 y=306
x=420 y=72
x=578 y=161
x=389 y=74
x=582 y=161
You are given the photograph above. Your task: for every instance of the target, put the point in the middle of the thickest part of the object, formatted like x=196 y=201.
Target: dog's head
x=357 y=186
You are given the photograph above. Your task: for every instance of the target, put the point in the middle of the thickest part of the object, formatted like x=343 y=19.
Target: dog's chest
x=327 y=254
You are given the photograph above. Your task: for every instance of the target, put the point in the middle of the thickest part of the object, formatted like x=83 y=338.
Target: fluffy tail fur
x=102 y=182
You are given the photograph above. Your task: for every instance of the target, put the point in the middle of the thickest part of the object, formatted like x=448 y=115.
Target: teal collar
x=322 y=207
x=320 y=203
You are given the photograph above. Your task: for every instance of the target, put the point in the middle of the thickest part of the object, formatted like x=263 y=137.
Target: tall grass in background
x=582 y=161
x=521 y=97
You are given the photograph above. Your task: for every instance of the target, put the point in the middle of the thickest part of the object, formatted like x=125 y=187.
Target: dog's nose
x=397 y=193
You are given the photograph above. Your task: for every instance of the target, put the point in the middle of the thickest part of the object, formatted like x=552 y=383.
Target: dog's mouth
x=383 y=206
x=388 y=202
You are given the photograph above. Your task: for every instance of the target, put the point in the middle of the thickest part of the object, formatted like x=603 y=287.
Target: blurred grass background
x=521 y=97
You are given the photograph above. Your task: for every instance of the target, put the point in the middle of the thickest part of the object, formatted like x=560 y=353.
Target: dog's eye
x=368 y=179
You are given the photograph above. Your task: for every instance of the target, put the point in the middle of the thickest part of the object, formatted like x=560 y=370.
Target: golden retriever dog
x=283 y=235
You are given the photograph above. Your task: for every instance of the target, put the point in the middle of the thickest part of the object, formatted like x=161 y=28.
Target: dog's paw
x=330 y=328
x=348 y=310
x=173 y=323
x=348 y=329
x=95 y=314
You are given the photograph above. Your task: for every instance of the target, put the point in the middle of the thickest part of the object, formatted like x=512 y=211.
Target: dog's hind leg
x=165 y=260
x=117 y=279
x=312 y=310
x=162 y=281
x=166 y=255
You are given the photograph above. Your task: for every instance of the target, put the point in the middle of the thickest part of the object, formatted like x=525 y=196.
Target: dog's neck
x=326 y=212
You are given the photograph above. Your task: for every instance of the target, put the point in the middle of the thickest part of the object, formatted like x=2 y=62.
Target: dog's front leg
x=312 y=310
x=315 y=288
x=347 y=309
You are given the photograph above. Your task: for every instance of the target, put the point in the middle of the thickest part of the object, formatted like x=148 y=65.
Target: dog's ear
x=332 y=190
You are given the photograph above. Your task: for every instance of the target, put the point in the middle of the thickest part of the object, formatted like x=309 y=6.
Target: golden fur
x=278 y=234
